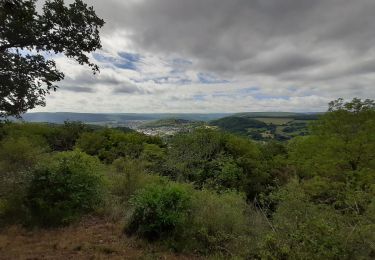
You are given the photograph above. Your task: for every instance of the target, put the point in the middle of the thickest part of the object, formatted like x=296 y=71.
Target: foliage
x=221 y=195
x=221 y=223
x=66 y=135
x=307 y=228
x=191 y=220
x=26 y=76
x=110 y=144
x=63 y=188
x=128 y=176
x=213 y=159
x=238 y=125
x=159 y=211
x=331 y=201
x=125 y=177
x=154 y=156
x=58 y=137
x=17 y=157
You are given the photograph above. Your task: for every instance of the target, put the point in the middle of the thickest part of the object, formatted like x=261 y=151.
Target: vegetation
x=26 y=76
x=171 y=122
x=238 y=125
x=203 y=192
x=266 y=126
x=65 y=186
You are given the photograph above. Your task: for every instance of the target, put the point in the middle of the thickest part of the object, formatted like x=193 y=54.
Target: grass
x=92 y=238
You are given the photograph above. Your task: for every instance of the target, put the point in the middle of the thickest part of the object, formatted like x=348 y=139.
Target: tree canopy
x=26 y=75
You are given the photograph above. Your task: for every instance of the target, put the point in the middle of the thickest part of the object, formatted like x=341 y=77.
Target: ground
x=92 y=238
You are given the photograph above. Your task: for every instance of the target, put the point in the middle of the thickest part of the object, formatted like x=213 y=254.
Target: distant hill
x=237 y=124
x=60 y=117
x=267 y=114
x=267 y=125
x=170 y=122
x=296 y=116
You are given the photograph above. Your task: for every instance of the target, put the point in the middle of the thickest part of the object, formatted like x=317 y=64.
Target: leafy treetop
x=26 y=76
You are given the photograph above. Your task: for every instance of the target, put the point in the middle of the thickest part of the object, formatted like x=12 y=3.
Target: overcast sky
x=224 y=56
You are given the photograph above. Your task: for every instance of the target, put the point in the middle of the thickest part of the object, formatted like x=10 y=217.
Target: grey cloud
x=225 y=36
x=357 y=69
x=87 y=78
x=286 y=63
x=324 y=49
x=364 y=67
x=77 y=89
x=128 y=88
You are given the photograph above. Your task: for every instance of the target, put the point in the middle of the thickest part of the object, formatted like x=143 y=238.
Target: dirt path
x=93 y=238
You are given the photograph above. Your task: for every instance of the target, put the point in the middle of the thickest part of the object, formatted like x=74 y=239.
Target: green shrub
x=154 y=156
x=125 y=177
x=220 y=223
x=217 y=160
x=128 y=176
x=191 y=220
x=308 y=228
x=59 y=137
x=63 y=188
x=110 y=144
x=17 y=157
x=160 y=210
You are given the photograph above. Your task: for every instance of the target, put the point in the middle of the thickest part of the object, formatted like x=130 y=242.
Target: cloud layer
x=224 y=56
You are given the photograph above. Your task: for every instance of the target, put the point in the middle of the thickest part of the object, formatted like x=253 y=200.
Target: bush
x=190 y=220
x=307 y=228
x=128 y=176
x=213 y=159
x=63 y=188
x=110 y=144
x=221 y=223
x=125 y=177
x=159 y=211
x=17 y=157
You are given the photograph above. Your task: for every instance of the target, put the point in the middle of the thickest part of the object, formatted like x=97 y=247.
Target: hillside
x=239 y=125
x=168 y=127
x=266 y=125
x=170 y=122
x=268 y=114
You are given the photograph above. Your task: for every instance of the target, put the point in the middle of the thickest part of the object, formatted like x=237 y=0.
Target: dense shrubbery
x=192 y=220
x=109 y=145
x=63 y=188
x=57 y=137
x=331 y=200
x=320 y=229
x=160 y=211
x=212 y=159
x=220 y=194
x=222 y=224
x=17 y=157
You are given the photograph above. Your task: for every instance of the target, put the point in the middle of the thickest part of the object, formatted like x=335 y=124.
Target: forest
x=204 y=193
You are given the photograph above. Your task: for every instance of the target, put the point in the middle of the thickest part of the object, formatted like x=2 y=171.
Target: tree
x=355 y=106
x=26 y=75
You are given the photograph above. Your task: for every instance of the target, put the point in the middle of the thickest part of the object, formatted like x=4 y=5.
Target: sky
x=203 y=56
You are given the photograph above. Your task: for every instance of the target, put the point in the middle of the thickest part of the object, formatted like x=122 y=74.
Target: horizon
x=172 y=113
